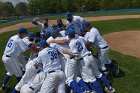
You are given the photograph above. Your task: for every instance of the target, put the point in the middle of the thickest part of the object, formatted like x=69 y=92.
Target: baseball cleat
x=111 y=90
x=2 y=88
x=87 y=92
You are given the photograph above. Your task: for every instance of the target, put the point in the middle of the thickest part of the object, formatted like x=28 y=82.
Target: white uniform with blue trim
x=87 y=61
x=13 y=50
x=27 y=41
x=76 y=23
x=34 y=85
x=55 y=78
x=103 y=49
x=43 y=28
x=30 y=71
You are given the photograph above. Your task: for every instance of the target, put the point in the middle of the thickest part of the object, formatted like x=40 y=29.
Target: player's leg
x=88 y=75
x=70 y=75
x=95 y=86
x=101 y=60
x=82 y=84
x=100 y=76
x=26 y=89
x=103 y=57
x=8 y=63
x=79 y=79
x=60 y=87
x=6 y=79
x=29 y=73
x=50 y=82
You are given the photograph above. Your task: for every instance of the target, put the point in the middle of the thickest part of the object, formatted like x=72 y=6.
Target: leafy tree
x=6 y=9
x=21 y=9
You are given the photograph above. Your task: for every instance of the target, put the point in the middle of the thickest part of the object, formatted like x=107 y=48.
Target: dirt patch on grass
x=98 y=18
x=127 y=42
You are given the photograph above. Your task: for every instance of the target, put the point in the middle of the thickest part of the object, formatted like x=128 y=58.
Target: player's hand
x=36 y=19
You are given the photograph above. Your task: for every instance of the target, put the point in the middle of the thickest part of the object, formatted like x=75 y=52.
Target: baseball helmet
x=31 y=34
x=22 y=30
x=43 y=43
x=71 y=33
x=85 y=24
x=69 y=14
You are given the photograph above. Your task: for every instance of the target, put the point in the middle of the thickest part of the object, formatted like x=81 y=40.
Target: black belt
x=31 y=88
x=72 y=57
x=104 y=47
x=8 y=56
x=51 y=71
x=83 y=57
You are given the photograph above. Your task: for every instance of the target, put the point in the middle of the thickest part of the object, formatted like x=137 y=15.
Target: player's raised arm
x=35 y=21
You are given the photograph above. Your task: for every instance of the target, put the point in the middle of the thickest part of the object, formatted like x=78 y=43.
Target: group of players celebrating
x=59 y=57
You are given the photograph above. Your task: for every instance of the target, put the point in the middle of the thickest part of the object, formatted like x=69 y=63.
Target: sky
x=14 y=2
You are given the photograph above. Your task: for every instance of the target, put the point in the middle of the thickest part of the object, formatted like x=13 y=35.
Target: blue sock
x=76 y=87
x=96 y=87
x=18 y=78
x=83 y=84
x=14 y=91
x=104 y=80
x=6 y=79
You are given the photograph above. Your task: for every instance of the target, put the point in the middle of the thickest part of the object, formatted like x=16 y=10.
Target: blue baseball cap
x=71 y=33
x=85 y=24
x=43 y=43
x=69 y=14
x=31 y=34
x=22 y=30
x=81 y=30
x=54 y=32
x=47 y=33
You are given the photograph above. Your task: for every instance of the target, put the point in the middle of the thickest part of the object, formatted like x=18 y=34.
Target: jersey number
x=10 y=43
x=79 y=46
x=53 y=55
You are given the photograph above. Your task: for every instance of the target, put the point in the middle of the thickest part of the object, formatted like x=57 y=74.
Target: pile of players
x=59 y=56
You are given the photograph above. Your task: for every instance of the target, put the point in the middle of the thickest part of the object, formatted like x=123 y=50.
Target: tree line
x=37 y=7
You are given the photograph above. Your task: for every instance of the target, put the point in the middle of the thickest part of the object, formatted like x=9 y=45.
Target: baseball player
x=43 y=26
x=60 y=24
x=55 y=78
x=77 y=47
x=13 y=50
x=93 y=36
x=30 y=71
x=88 y=64
x=74 y=22
x=71 y=66
x=34 y=85
x=29 y=39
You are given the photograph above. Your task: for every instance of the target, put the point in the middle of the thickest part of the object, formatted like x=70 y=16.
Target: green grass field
x=129 y=83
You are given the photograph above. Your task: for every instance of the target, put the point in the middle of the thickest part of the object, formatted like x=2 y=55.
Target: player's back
x=76 y=23
x=13 y=47
x=77 y=18
x=79 y=47
x=50 y=59
x=96 y=38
